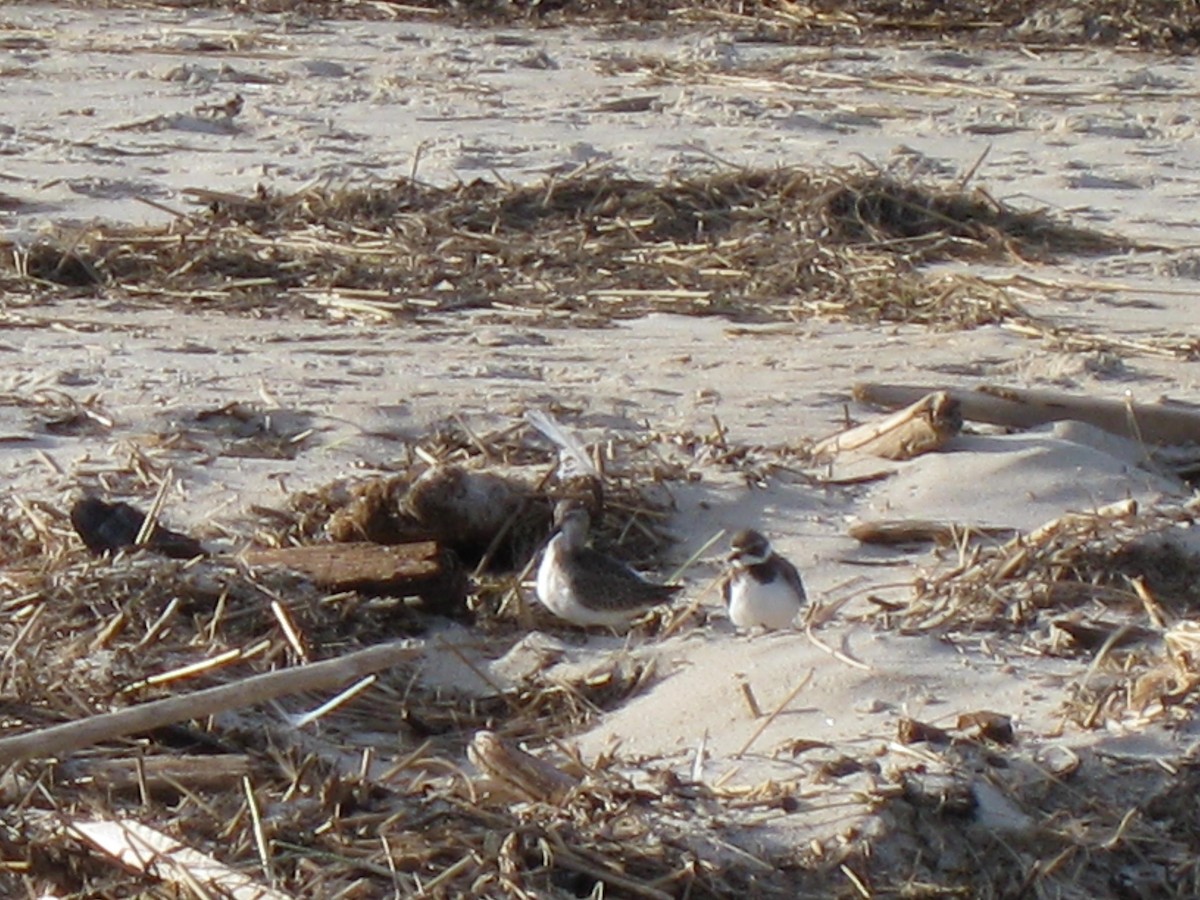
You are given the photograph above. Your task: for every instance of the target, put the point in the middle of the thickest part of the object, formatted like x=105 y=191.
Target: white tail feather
x=572 y=458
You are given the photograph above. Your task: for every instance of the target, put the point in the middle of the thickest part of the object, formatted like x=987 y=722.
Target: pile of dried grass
x=1002 y=815
x=634 y=496
x=1149 y=24
x=746 y=243
x=1068 y=563
x=979 y=820
x=1116 y=587
x=374 y=800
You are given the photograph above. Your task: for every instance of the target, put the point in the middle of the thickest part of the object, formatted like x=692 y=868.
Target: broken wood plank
x=1150 y=423
x=924 y=425
x=422 y=569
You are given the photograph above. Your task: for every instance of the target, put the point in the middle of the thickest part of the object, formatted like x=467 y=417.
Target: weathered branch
x=1153 y=424
x=922 y=426
x=918 y=531
x=69 y=736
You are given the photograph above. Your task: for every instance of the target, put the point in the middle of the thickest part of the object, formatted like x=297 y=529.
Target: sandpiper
x=762 y=589
x=586 y=587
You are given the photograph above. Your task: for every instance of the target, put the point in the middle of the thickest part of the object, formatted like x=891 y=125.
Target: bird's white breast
x=772 y=605
x=558 y=595
x=552 y=589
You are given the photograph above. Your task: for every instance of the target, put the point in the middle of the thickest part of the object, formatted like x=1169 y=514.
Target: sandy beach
x=774 y=763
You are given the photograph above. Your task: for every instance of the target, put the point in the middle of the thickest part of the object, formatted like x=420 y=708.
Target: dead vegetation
x=1000 y=815
x=1117 y=586
x=588 y=246
x=1068 y=563
x=1147 y=24
x=974 y=819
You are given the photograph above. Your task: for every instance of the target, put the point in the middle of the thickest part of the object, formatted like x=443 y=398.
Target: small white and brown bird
x=586 y=587
x=762 y=589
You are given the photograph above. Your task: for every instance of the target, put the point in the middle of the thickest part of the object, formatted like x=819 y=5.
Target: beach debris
x=988 y=725
x=761 y=588
x=488 y=496
x=67 y=737
x=478 y=512
x=775 y=244
x=491 y=520
x=370 y=511
x=912 y=731
x=139 y=848
x=422 y=569
x=923 y=426
x=110 y=527
x=586 y=587
x=511 y=771
x=1174 y=676
x=1152 y=424
x=1183 y=647
x=159 y=776
x=877 y=208
x=1060 y=562
x=923 y=531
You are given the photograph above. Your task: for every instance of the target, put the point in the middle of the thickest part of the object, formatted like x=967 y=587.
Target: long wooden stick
x=69 y=736
x=1156 y=424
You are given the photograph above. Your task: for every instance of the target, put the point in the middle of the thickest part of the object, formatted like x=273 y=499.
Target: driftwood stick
x=924 y=425
x=919 y=531
x=69 y=736
x=1155 y=424
x=161 y=773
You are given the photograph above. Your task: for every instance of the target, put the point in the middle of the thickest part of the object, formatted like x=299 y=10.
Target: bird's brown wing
x=792 y=577
x=610 y=581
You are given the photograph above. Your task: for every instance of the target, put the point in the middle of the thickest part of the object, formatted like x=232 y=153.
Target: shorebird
x=761 y=587
x=586 y=587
